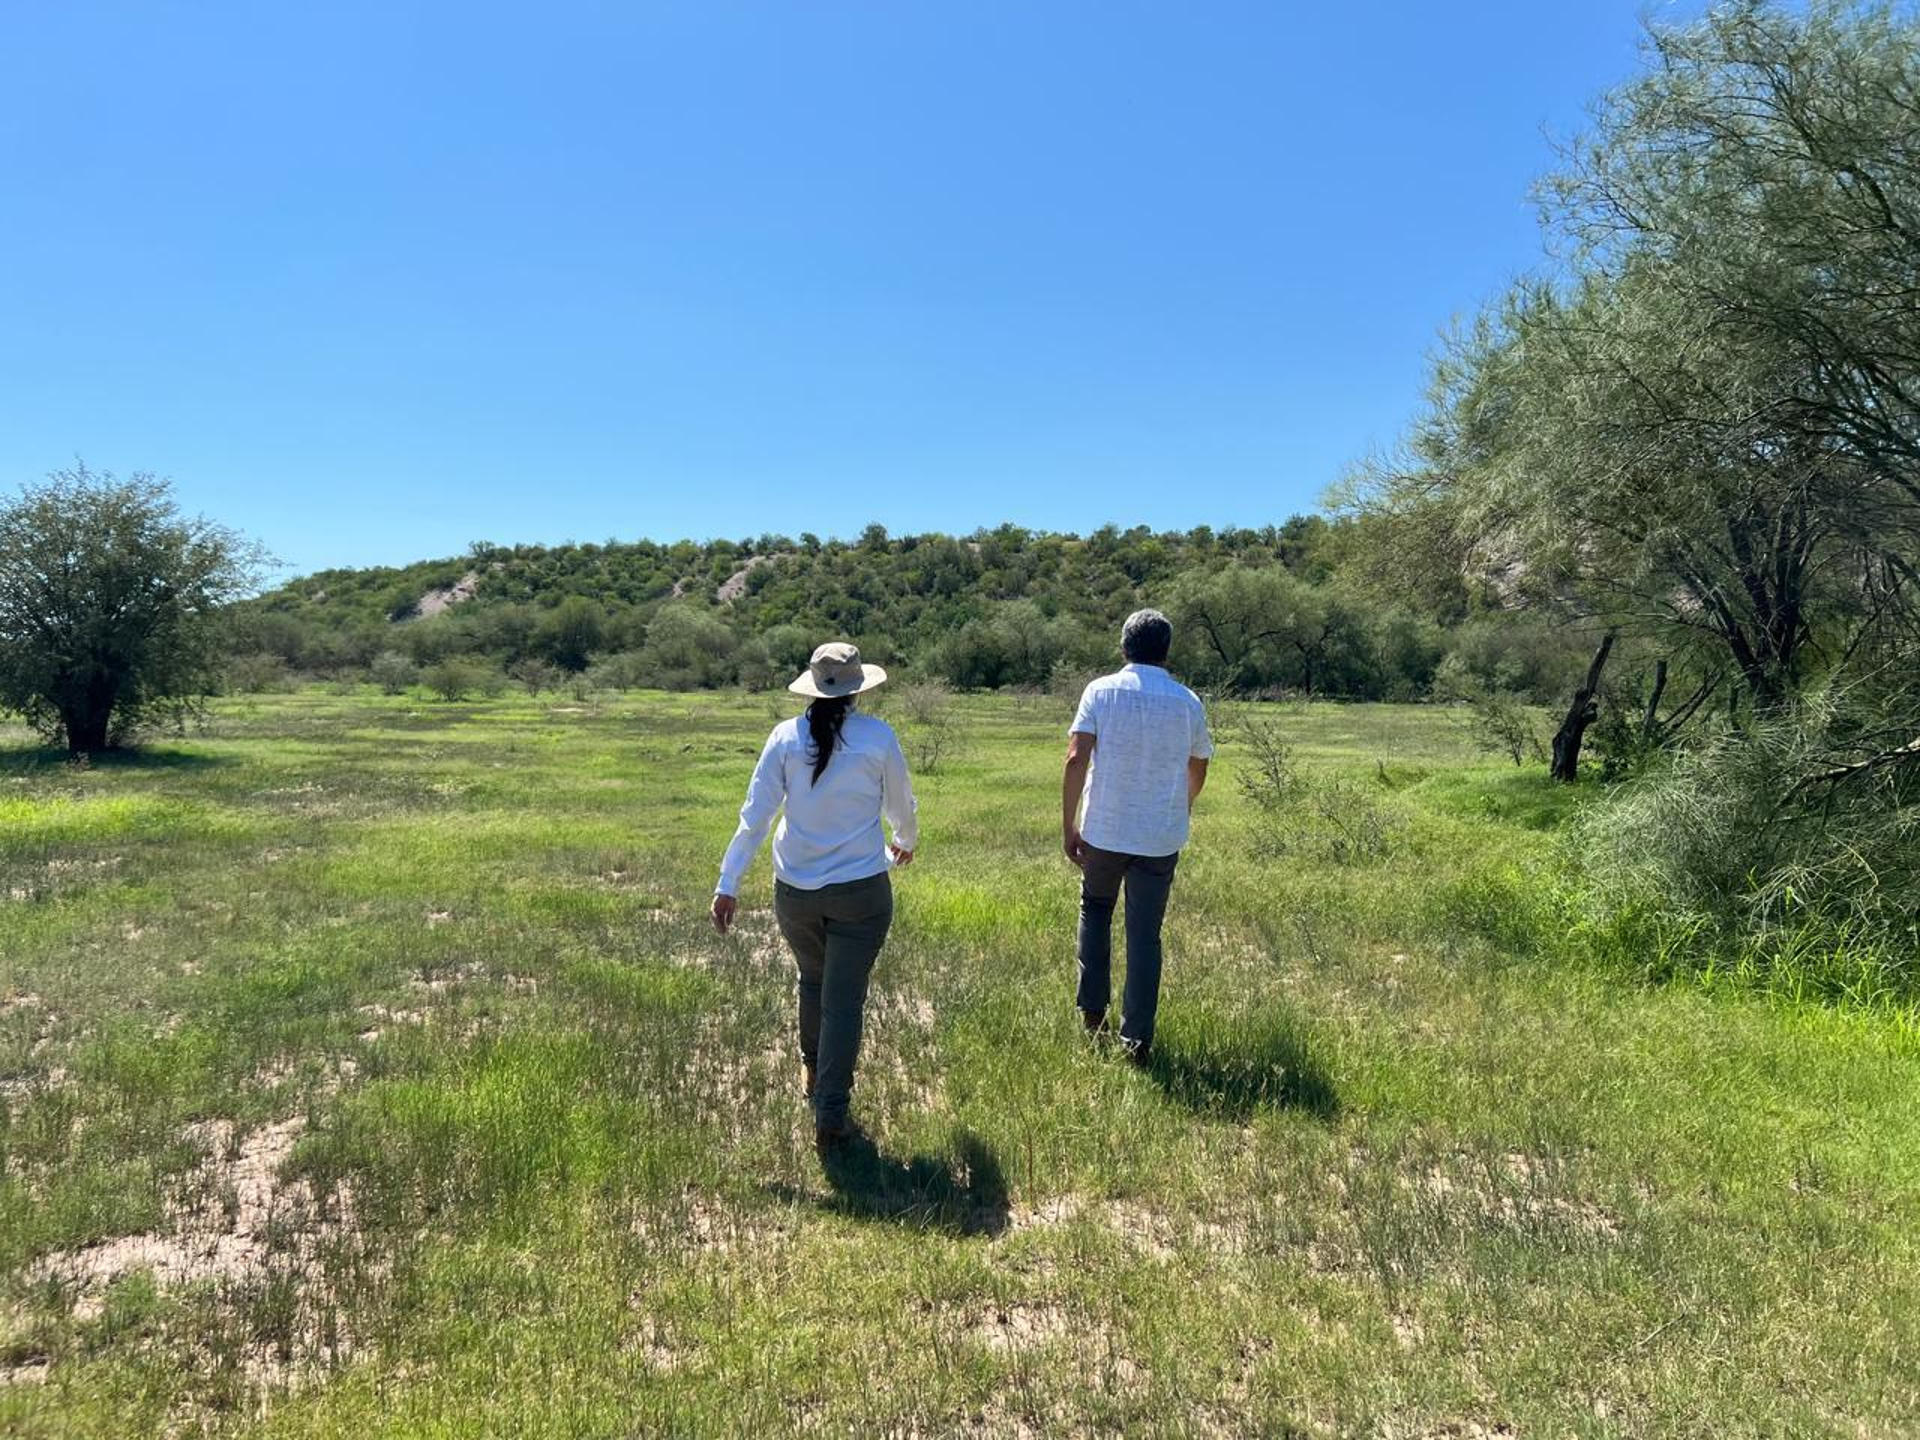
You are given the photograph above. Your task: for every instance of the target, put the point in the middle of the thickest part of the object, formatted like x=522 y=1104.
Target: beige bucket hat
x=835 y=670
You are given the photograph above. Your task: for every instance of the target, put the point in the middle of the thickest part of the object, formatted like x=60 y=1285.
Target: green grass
x=397 y=1027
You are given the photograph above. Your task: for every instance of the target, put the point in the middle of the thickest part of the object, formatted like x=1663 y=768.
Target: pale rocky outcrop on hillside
x=445 y=597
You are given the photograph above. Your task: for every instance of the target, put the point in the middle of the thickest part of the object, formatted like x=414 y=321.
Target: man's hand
x=1073 y=779
x=724 y=909
x=1196 y=780
x=901 y=858
x=1075 y=847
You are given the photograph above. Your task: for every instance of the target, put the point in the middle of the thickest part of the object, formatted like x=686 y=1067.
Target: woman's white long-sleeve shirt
x=830 y=832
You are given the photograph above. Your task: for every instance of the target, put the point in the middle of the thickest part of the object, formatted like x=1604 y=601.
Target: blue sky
x=372 y=281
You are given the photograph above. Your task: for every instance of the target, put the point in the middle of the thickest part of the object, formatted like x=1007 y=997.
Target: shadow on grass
x=962 y=1195
x=1232 y=1075
x=30 y=759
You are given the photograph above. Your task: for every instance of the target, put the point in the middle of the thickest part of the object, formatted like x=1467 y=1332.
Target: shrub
x=535 y=675
x=258 y=673
x=1016 y=645
x=455 y=678
x=1800 y=830
x=1329 y=817
x=1268 y=780
x=392 y=672
x=755 y=667
x=1498 y=720
x=688 y=647
x=569 y=633
x=930 y=731
x=625 y=671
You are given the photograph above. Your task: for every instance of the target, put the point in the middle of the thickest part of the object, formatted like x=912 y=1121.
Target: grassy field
x=367 y=1068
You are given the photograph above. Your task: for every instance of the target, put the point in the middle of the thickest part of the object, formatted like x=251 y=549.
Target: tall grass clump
x=1786 y=850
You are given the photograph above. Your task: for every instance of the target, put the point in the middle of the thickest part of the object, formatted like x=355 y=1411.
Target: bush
x=1799 y=833
x=1523 y=654
x=1268 y=779
x=687 y=648
x=1016 y=645
x=569 y=633
x=455 y=679
x=1329 y=817
x=535 y=675
x=930 y=732
x=393 y=672
x=626 y=671
x=259 y=673
x=1500 y=721
x=755 y=667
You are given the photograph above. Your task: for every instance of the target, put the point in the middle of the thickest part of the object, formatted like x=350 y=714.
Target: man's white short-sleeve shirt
x=1146 y=726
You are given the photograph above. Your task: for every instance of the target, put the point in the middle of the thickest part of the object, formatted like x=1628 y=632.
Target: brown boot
x=829 y=1139
x=1095 y=1021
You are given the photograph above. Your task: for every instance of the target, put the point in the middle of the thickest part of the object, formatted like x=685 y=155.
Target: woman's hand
x=724 y=908
x=901 y=858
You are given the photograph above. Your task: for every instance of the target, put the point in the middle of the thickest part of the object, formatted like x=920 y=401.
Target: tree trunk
x=88 y=717
x=1650 y=723
x=1580 y=714
x=86 y=730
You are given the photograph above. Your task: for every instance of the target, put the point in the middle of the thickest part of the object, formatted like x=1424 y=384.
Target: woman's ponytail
x=824 y=719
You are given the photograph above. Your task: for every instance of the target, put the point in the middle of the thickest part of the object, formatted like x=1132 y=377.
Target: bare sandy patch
x=437 y=981
x=896 y=1007
x=20 y=1000
x=27 y=1372
x=391 y=1015
x=238 y=1222
x=1044 y=1214
x=1156 y=1234
x=1147 y=1230
x=1516 y=1189
x=74 y=865
x=652 y=1343
x=761 y=945
x=19 y=1087
x=743 y=1074
x=1015 y=1329
x=702 y=1224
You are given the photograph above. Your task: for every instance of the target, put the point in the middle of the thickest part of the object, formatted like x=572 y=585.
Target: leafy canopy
x=108 y=605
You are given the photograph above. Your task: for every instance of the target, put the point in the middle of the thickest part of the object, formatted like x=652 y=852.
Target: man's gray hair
x=1146 y=637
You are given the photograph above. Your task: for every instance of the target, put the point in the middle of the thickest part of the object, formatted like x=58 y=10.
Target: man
x=1150 y=735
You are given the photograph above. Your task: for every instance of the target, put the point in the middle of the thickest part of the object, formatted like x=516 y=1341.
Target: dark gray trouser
x=836 y=933
x=1148 y=880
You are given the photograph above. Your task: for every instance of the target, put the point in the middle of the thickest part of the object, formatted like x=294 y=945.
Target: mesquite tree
x=108 y=601
x=1703 y=429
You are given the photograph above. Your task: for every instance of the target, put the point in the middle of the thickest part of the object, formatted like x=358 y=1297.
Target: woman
x=836 y=773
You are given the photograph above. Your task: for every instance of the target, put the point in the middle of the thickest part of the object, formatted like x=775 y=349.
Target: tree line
x=1256 y=611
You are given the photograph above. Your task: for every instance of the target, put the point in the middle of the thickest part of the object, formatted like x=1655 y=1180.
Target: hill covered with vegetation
x=1257 y=609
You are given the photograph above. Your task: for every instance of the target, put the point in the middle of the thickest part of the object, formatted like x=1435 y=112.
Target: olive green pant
x=835 y=933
